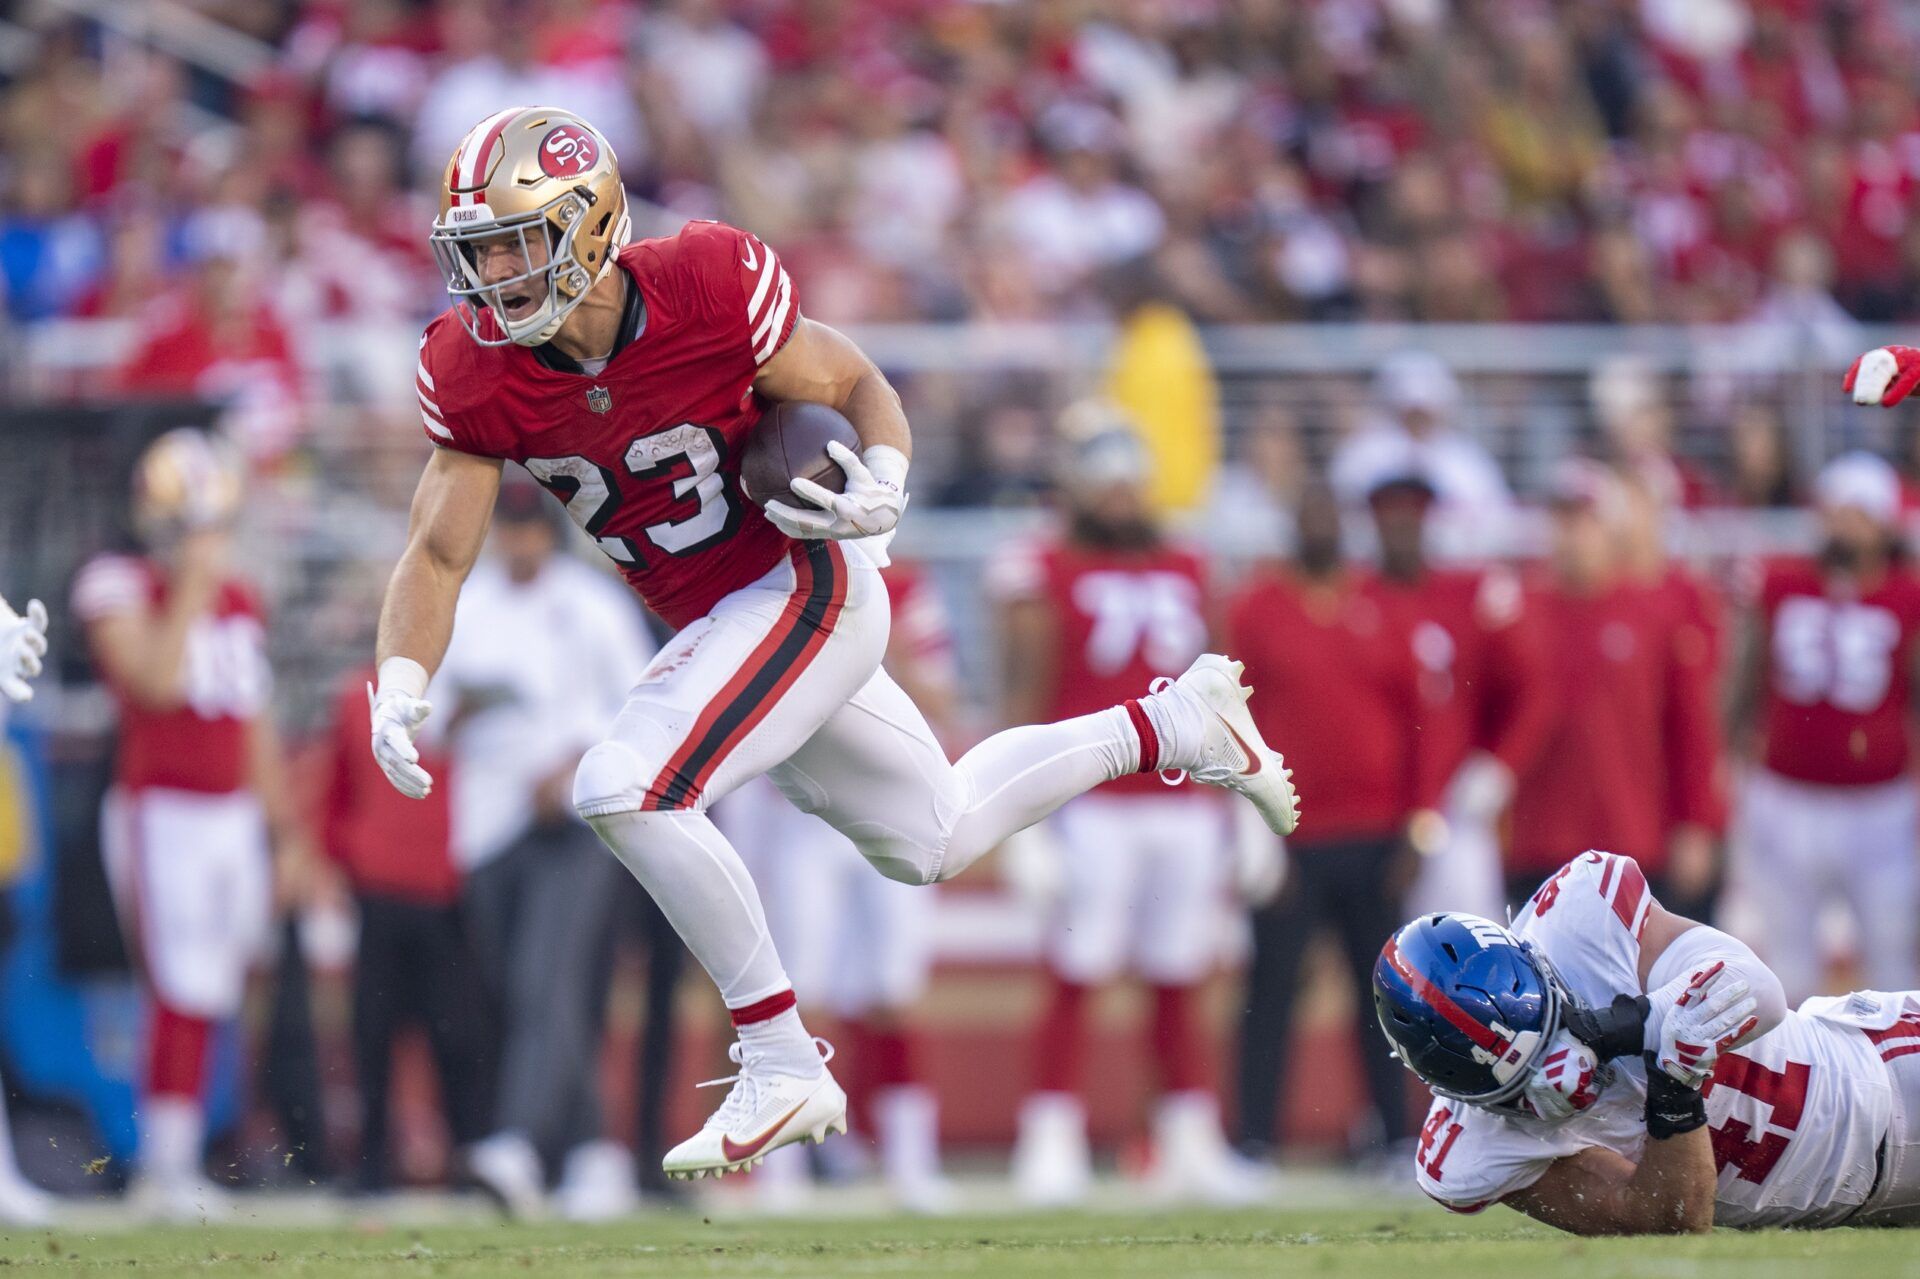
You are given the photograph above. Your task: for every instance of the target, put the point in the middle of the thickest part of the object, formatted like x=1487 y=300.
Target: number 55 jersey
x=645 y=450
x=1812 y=1124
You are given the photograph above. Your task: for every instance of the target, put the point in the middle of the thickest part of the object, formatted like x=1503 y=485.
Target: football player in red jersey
x=1829 y=809
x=1139 y=875
x=626 y=378
x=198 y=783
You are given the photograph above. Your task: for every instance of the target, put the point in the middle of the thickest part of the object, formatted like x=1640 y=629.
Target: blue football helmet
x=1468 y=1007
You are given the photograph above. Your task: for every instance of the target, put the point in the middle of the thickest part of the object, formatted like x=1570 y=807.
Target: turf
x=1395 y=1241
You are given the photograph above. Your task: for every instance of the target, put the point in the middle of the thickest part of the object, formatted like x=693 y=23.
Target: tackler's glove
x=23 y=646
x=875 y=495
x=1566 y=1081
x=1705 y=1014
x=1884 y=376
x=1618 y=1031
x=1673 y=1108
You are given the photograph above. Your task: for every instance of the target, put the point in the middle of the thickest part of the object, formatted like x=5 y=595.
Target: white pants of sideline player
x=1144 y=884
x=1800 y=847
x=191 y=877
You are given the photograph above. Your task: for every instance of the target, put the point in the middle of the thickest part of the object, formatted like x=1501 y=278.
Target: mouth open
x=518 y=304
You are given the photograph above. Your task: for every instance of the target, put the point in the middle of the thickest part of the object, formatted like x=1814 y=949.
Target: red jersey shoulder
x=726 y=279
x=452 y=379
x=1786 y=576
x=113 y=583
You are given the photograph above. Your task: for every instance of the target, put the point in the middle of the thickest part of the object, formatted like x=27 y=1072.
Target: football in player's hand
x=789 y=443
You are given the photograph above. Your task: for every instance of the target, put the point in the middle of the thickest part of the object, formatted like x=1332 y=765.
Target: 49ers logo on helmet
x=568 y=151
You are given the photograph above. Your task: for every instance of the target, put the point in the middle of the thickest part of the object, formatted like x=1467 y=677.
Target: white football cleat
x=763 y=1111
x=1231 y=752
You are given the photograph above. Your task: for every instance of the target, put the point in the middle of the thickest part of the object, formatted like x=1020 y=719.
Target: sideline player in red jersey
x=1829 y=810
x=1138 y=873
x=626 y=378
x=1613 y=770
x=1333 y=673
x=1484 y=706
x=198 y=783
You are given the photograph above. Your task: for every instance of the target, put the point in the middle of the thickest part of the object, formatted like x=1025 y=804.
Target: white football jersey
x=1797 y=1116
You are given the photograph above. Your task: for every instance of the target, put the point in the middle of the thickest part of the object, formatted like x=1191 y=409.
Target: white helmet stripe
x=474 y=150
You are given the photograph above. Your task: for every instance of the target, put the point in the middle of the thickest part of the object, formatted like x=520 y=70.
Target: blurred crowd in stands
x=1611 y=160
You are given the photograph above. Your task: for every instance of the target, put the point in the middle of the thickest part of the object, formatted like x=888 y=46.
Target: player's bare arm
x=144 y=651
x=1026 y=660
x=447 y=527
x=293 y=852
x=1598 y=1192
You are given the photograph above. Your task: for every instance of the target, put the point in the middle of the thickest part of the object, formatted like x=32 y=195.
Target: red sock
x=891 y=1047
x=1177 y=1046
x=1060 y=1041
x=176 y=1053
x=1149 y=740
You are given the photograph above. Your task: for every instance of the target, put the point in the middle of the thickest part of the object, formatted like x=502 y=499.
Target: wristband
x=1672 y=1107
x=888 y=464
x=1619 y=1031
x=404 y=676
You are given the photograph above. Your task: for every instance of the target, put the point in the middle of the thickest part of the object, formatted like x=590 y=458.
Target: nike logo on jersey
x=752 y=260
x=733 y=1151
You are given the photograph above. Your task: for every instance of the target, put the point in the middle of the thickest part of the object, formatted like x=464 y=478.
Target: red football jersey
x=1334 y=689
x=200 y=745
x=1121 y=618
x=1480 y=679
x=1836 y=675
x=646 y=454
x=1611 y=773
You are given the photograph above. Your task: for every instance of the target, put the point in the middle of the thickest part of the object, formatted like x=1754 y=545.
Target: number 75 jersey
x=646 y=454
x=1796 y=1117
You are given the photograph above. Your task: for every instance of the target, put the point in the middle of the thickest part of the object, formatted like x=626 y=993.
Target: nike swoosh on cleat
x=1246 y=750
x=733 y=1153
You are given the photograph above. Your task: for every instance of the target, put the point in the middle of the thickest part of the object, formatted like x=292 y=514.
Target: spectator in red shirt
x=1333 y=677
x=414 y=963
x=1611 y=774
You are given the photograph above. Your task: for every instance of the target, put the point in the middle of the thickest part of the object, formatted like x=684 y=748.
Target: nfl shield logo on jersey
x=599 y=399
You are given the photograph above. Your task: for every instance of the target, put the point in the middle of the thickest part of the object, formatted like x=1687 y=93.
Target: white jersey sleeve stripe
x=775 y=320
x=760 y=287
x=426 y=378
x=435 y=427
x=430 y=406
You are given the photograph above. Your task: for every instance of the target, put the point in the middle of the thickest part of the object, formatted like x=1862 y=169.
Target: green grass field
x=1398 y=1241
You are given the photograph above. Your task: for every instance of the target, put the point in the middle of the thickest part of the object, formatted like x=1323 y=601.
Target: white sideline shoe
x=1192 y=1162
x=507 y=1167
x=1052 y=1164
x=597 y=1183
x=763 y=1111
x=1232 y=754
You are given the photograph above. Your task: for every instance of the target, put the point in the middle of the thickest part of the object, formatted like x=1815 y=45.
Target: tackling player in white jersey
x=1609 y=1067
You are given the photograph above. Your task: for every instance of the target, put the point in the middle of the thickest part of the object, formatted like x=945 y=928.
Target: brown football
x=790 y=442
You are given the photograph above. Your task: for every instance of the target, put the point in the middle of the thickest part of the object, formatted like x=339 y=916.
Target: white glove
x=1032 y=865
x=1480 y=789
x=876 y=494
x=1259 y=858
x=1706 y=1014
x=1884 y=376
x=398 y=711
x=1566 y=1081
x=23 y=643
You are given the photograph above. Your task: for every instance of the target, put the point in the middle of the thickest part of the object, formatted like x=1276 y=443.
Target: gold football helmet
x=185 y=481
x=539 y=174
